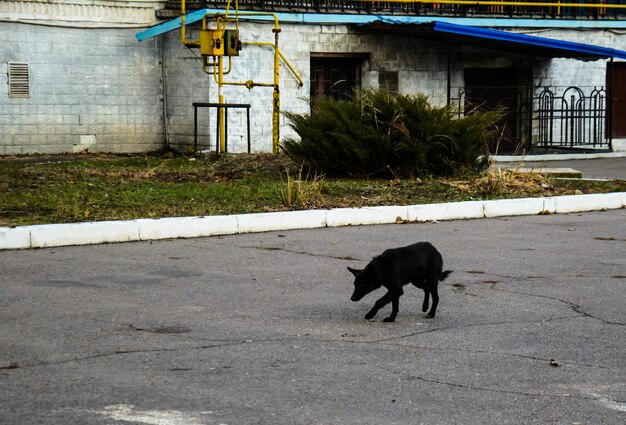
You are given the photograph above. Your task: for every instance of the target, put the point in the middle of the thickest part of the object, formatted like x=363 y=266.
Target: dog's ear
x=354 y=271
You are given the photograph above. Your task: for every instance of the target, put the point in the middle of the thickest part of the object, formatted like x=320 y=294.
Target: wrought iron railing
x=572 y=119
x=564 y=9
x=557 y=118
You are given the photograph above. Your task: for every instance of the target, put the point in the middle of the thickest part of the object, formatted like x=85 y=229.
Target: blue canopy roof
x=496 y=39
x=438 y=30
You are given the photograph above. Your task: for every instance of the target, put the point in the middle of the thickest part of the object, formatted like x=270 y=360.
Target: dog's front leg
x=395 y=303
x=382 y=301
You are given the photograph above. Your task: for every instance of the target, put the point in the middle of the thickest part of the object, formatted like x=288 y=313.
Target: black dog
x=420 y=264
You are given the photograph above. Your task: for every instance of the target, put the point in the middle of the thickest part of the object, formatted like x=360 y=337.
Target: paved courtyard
x=260 y=329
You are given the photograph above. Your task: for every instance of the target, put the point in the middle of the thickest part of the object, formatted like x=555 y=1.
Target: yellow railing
x=520 y=7
x=598 y=4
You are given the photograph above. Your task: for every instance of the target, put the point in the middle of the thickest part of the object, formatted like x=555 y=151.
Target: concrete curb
x=51 y=235
x=555 y=157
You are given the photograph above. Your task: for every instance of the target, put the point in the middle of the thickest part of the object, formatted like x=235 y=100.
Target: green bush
x=379 y=134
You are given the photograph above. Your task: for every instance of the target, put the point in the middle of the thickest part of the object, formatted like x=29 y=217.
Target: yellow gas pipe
x=276 y=84
x=218 y=74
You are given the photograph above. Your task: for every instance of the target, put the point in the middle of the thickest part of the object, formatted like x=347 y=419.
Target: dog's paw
x=430 y=315
x=370 y=315
x=389 y=319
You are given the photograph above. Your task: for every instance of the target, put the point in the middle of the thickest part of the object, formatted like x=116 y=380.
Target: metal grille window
x=335 y=75
x=388 y=81
x=18 y=80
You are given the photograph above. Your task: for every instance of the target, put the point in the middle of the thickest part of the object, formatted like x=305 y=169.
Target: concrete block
x=186 y=227
x=449 y=211
x=266 y=222
x=48 y=235
x=506 y=207
x=593 y=202
x=619 y=145
x=14 y=238
x=368 y=215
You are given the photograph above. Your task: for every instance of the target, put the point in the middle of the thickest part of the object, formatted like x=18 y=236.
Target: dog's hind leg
x=425 y=303
x=423 y=286
x=432 y=282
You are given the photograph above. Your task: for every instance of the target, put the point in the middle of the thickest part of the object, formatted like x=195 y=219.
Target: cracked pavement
x=260 y=329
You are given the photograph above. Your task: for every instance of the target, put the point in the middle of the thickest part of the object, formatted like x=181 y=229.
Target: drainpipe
x=449 y=83
x=166 y=127
x=531 y=93
x=609 y=104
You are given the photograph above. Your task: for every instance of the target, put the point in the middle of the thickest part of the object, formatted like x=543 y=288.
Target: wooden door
x=616 y=85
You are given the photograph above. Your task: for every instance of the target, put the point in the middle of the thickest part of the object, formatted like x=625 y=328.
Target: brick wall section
x=95 y=89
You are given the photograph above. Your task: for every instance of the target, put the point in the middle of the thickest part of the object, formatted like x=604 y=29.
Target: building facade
x=74 y=76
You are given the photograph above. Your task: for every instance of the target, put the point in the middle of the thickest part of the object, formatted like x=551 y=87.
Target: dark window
x=497 y=88
x=388 y=81
x=336 y=76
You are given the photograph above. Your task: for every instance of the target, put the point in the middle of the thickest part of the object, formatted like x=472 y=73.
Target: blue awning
x=437 y=30
x=495 y=39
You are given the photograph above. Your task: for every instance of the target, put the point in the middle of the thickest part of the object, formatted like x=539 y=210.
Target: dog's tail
x=444 y=275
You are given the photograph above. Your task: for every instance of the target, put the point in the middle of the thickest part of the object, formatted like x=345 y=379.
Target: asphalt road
x=259 y=329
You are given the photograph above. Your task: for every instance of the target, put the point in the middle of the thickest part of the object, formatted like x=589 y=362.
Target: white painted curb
x=556 y=157
x=186 y=227
x=47 y=235
x=50 y=235
x=576 y=203
x=449 y=211
x=366 y=215
x=507 y=207
x=267 y=222
x=14 y=238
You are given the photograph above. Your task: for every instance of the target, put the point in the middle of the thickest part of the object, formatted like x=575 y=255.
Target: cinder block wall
x=101 y=90
x=90 y=89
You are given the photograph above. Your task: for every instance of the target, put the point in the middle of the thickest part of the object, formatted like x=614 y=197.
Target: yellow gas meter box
x=213 y=44
x=233 y=45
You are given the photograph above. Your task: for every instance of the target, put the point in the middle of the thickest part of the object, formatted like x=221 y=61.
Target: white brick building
x=91 y=85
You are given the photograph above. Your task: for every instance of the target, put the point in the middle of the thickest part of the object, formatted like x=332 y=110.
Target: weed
x=302 y=191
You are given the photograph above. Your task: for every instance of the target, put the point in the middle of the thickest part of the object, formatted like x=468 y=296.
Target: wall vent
x=388 y=81
x=18 y=80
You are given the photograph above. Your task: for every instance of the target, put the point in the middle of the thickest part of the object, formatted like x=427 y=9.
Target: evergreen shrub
x=380 y=134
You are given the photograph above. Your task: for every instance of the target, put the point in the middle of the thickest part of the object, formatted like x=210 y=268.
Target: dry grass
x=496 y=182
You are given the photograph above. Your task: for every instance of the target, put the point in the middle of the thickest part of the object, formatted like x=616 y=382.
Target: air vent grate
x=18 y=80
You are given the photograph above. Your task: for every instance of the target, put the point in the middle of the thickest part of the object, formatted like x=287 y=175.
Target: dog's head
x=365 y=281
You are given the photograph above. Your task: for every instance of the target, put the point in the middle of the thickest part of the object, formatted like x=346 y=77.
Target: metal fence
x=556 y=118
x=573 y=119
x=598 y=9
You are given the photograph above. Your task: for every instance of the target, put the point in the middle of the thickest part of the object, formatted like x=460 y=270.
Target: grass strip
x=77 y=188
